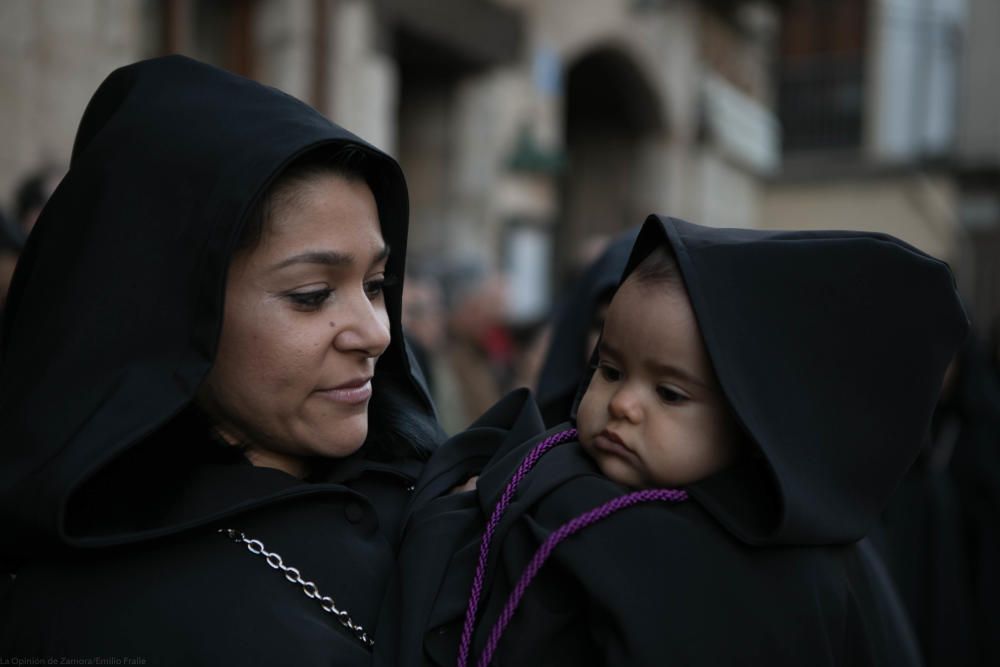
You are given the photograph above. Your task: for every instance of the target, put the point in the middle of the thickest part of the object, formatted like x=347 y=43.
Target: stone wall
x=53 y=56
x=918 y=207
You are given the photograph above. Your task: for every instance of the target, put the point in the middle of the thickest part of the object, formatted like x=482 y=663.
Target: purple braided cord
x=566 y=530
x=484 y=547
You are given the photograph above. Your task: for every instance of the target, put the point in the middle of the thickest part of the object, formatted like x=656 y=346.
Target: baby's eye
x=668 y=395
x=609 y=373
x=309 y=300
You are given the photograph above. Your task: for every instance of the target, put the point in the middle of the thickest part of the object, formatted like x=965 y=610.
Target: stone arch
x=613 y=118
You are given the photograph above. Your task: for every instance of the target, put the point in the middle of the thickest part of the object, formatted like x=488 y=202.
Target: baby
x=654 y=414
x=756 y=398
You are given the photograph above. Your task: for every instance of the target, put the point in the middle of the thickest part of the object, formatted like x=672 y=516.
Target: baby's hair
x=659 y=267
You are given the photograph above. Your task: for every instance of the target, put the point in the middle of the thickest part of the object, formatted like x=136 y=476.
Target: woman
x=189 y=391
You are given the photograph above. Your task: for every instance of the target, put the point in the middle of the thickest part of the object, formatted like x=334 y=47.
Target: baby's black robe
x=830 y=348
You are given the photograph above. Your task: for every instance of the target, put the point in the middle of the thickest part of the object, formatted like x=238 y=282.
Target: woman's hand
x=469 y=485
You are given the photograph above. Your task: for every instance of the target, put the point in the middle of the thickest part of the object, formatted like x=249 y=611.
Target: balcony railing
x=821 y=102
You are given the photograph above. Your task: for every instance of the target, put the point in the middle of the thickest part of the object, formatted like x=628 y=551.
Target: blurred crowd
x=457 y=320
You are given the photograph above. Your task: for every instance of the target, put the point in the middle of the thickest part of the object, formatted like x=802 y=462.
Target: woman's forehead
x=329 y=208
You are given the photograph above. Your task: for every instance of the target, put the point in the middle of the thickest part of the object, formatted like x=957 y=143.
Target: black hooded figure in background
x=971 y=411
x=940 y=531
x=576 y=324
x=209 y=420
x=757 y=397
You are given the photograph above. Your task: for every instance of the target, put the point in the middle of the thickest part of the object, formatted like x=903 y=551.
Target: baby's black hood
x=830 y=347
x=116 y=306
x=565 y=366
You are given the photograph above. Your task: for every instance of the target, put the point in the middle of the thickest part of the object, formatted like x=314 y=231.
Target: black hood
x=565 y=365
x=116 y=306
x=830 y=347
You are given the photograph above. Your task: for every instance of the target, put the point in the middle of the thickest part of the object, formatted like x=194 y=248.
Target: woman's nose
x=367 y=330
x=625 y=405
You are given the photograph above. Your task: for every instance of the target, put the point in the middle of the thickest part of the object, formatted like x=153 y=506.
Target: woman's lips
x=349 y=393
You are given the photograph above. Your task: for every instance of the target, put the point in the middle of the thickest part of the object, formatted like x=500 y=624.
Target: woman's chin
x=344 y=439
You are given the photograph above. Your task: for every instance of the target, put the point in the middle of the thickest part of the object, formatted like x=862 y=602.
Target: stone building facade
x=891 y=115
x=527 y=128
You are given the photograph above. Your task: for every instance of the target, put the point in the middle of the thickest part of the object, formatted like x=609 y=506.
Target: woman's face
x=305 y=321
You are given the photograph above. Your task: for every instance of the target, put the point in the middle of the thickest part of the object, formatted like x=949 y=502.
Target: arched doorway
x=612 y=115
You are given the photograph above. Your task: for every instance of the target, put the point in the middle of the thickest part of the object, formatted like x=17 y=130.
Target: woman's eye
x=375 y=287
x=309 y=300
x=668 y=395
x=609 y=373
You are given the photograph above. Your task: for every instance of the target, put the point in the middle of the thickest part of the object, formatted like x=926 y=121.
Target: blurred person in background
x=575 y=328
x=531 y=343
x=425 y=321
x=940 y=533
x=921 y=536
x=480 y=347
x=204 y=388
x=968 y=421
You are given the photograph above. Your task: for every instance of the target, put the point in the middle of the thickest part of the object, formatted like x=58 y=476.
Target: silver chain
x=256 y=547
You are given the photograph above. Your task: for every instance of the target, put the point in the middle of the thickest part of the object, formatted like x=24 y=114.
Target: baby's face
x=653 y=414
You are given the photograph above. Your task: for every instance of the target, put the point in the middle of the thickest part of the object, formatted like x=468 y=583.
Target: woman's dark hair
x=406 y=429
x=347 y=161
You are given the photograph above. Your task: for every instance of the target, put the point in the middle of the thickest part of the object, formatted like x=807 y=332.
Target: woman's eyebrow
x=328 y=258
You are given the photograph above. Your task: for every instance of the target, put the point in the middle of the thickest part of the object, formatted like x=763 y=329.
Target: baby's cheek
x=582 y=412
x=588 y=416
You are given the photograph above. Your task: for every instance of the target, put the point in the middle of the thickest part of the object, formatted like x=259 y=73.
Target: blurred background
x=532 y=131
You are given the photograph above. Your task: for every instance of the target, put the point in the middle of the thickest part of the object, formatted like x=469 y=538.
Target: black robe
x=809 y=334
x=112 y=492
x=941 y=531
x=975 y=467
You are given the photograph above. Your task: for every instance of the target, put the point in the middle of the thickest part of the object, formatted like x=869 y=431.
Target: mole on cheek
x=332 y=324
